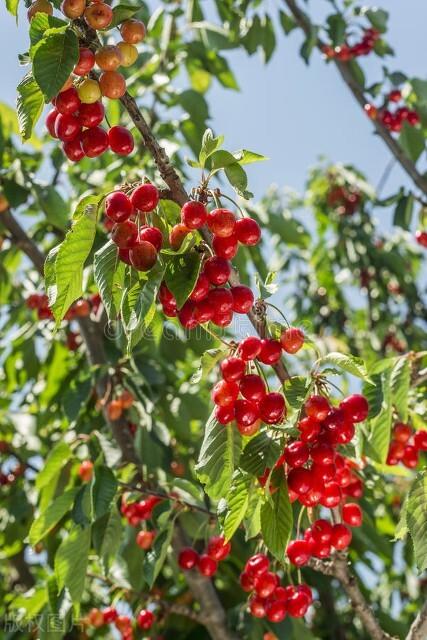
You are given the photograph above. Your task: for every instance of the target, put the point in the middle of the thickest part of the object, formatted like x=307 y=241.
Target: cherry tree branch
x=304 y=22
x=418 y=630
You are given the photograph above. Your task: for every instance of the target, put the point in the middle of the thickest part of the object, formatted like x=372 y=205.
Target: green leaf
x=380 y=426
x=238 y=179
x=218 y=458
x=155 y=558
x=336 y=28
x=403 y=212
x=237 y=500
x=309 y=44
x=210 y=144
x=378 y=18
x=43 y=24
x=412 y=141
x=46 y=521
x=103 y=490
x=139 y=306
x=71 y=562
x=53 y=61
x=348 y=363
x=296 y=389
x=268 y=40
x=400 y=383
x=276 y=521
x=123 y=12
x=374 y=395
x=71 y=257
x=416 y=519
x=260 y=452
x=12 y=7
x=29 y=105
x=109 y=274
x=252 y=519
x=107 y=536
x=181 y=275
x=243 y=156
x=207 y=362
x=56 y=460
x=287 y=22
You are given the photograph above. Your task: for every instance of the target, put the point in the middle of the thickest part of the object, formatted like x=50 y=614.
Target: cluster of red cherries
x=242 y=395
x=119 y=404
x=346 y=52
x=206 y=563
x=406 y=445
x=316 y=472
x=269 y=599
x=137 y=512
x=124 y=624
x=421 y=238
x=393 y=120
x=78 y=111
x=345 y=200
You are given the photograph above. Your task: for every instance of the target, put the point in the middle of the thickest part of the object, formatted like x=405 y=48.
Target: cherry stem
x=222 y=195
x=273 y=306
x=214 y=335
x=300 y=516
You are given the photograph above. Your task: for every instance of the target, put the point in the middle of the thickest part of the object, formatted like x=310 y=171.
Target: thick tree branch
x=418 y=630
x=406 y=163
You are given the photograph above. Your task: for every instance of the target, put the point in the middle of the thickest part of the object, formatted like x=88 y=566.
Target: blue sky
x=288 y=112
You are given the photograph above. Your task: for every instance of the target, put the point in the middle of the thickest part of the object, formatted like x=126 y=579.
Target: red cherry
x=309 y=428
x=298 y=552
x=354 y=489
x=299 y=480
x=67 y=127
x=188 y=558
x=118 y=207
x=144 y=539
x=272 y=408
x=257 y=565
x=248 y=231
x=402 y=432
x=249 y=430
x=352 y=514
x=331 y=495
x=276 y=610
x=145 y=619
x=420 y=440
x=421 y=237
x=51 y=120
x=201 y=288
x=232 y=369
x=249 y=348
x=221 y=301
x=68 y=101
x=341 y=536
x=124 y=234
x=121 y=140
x=321 y=531
x=145 y=197
x=225 y=247
x=194 y=214
x=187 y=315
x=91 y=115
x=85 y=63
x=218 y=549
x=221 y=319
x=257 y=607
x=265 y=584
x=143 y=255
x=410 y=457
x=270 y=353
x=153 y=235
x=298 y=604
x=304 y=588
x=296 y=454
x=207 y=566
x=246 y=581
x=203 y=311
x=225 y=393
x=221 y=222
x=73 y=149
x=317 y=407
x=224 y=415
x=413 y=118
x=322 y=454
x=252 y=387
x=246 y=412
x=166 y=296
x=292 y=340
x=395 y=95
x=355 y=408
x=217 y=270
x=94 y=141
x=110 y=615
x=243 y=299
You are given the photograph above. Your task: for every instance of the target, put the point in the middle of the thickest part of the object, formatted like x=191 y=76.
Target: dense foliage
x=192 y=449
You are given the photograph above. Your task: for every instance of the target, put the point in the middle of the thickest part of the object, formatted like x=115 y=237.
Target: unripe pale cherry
x=143 y=255
x=108 y=58
x=118 y=206
x=221 y=222
x=194 y=214
x=112 y=84
x=89 y=91
x=128 y=52
x=120 y=140
x=145 y=197
x=292 y=339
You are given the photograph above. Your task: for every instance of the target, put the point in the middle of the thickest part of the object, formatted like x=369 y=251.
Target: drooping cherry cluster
x=124 y=624
x=78 y=111
x=344 y=199
x=346 y=52
x=137 y=512
x=393 y=120
x=119 y=404
x=242 y=394
x=269 y=599
x=406 y=445
x=316 y=472
x=206 y=563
